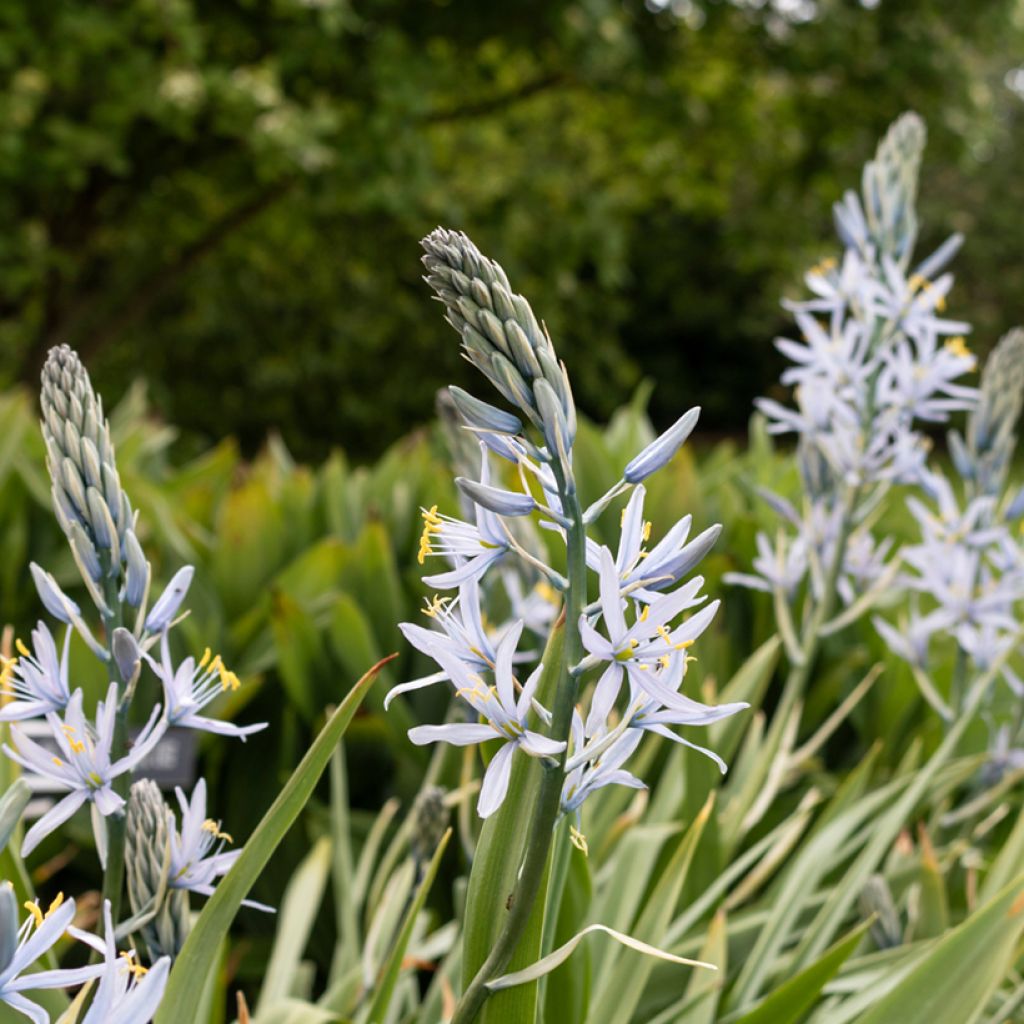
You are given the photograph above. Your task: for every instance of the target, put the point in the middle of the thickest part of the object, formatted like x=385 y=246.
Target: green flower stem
x=549 y=797
x=113 y=877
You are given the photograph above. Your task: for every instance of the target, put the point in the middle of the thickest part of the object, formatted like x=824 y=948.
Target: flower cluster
x=965 y=576
x=89 y=759
x=876 y=358
x=633 y=641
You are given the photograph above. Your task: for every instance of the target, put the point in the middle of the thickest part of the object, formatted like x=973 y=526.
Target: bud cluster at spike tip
x=502 y=337
x=147 y=857
x=984 y=456
x=91 y=507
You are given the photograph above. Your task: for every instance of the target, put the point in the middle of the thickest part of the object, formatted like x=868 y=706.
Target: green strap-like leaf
x=392 y=968
x=962 y=970
x=295 y=919
x=560 y=955
x=788 y=1003
x=184 y=988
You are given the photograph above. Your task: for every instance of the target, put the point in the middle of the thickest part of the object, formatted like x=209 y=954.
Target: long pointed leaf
x=184 y=988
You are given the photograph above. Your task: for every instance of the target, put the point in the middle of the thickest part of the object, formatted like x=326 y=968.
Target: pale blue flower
x=23 y=945
x=192 y=686
x=634 y=650
x=587 y=776
x=643 y=573
x=198 y=855
x=461 y=636
x=83 y=768
x=474 y=548
x=127 y=992
x=506 y=718
x=38 y=679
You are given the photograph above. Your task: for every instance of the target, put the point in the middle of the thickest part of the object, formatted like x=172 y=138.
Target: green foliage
x=232 y=189
x=768 y=884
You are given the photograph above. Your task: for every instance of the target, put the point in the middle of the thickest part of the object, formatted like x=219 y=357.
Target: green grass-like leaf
x=184 y=989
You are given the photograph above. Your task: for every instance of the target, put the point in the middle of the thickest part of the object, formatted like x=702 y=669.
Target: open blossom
x=127 y=993
x=22 y=945
x=634 y=650
x=474 y=548
x=505 y=717
x=644 y=573
x=198 y=855
x=37 y=678
x=190 y=687
x=588 y=775
x=83 y=767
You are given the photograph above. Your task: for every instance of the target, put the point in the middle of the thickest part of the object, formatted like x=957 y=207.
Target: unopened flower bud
x=429 y=821
x=148 y=830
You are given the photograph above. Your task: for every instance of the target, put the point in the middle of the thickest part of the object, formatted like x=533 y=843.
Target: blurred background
x=225 y=199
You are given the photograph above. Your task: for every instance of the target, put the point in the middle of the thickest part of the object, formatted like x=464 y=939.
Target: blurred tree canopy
x=226 y=197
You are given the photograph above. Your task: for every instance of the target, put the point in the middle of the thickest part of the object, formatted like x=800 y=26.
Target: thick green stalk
x=549 y=797
x=113 y=876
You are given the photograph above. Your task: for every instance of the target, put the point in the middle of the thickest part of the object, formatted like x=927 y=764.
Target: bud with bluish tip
x=660 y=451
x=149 y=828
x=494 y=499
x=162 y=613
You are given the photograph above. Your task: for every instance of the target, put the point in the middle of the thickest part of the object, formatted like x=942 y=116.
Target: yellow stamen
x=58 y=762
x=58 y=901
x=213 y=827
x=958 y=347
x=647 y=532
x=431 y=524
x=547 y=592
x=136 y=968
x=33 y=909
x=579 y=840
x=22 y=649
x=644 y=613
x=204 y=660
x=436 y=605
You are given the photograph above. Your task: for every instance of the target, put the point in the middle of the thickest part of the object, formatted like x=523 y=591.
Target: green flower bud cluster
x=149 y=827
x=429 y=822
x=991 y=427
x=890 y=187
x=502 y=337
x=90 y=505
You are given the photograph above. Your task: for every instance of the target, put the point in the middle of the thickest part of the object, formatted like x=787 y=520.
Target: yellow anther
x=644 y=614
x=228 y=680
x=213 y=827
x=664 y=661
x=579 y=840
x=622 y=519
x=77 y=746
x=647 y=532
x=435 y=606
x=204 y=660
x=917 y=282
x=136 y=968
x=58 y=901
x=58 y=762
x=22 y=649
x=33 y=909
x=958 y=347
x=546 y=591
